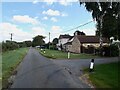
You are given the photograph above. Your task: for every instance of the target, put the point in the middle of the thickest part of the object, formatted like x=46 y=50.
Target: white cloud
x=38 y=31
x=25 y=19
x=49 y=2
x=89 y=31
x=18 y=34
x=54 y=19
x=36 y=17
x=61 y=2
x=51 y=12
x=35 y=1
x=56 y=28
x=55 y=32
x=65 y=2
x=64 y=14
x=21 y=35
x=45 y=18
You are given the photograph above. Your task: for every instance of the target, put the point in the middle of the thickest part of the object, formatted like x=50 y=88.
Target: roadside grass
x=55 y=54
x=0 y=70
x=10 y=60
x=105 y=75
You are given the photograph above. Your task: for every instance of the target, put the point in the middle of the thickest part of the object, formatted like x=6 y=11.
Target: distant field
x=10 y=60
x=106 y=76
x=55 y=54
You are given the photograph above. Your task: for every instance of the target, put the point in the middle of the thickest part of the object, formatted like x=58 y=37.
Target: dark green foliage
x=47 y=46
x=109 y=25
x=28 y=43
x=12 y=45
x=9 y=45
x=111 y=50
x=55 y=47
x=38 y=41
x=55 y=41
x=0 y=47
x=22 y=44
x=109 y=15
x=114 y=50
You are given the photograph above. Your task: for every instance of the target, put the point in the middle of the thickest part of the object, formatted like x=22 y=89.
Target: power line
x=79 y=26
x=69 y=30
x=76 y=27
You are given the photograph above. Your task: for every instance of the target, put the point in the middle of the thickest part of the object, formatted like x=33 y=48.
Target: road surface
x=77 y=65
x=37 y=71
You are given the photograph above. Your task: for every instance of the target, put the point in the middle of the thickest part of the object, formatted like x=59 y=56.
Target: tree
x=109 y=13
x=55 y=41
x=22 y=44
x=28 y=43
x=78 y=33
x=38 y=40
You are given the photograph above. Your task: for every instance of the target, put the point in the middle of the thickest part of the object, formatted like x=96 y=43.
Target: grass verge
x=105 y=75
x=55 y=54
x=0 y=70
x=10 y=60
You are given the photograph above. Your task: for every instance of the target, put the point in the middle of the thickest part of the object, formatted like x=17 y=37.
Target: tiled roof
x=91 y=39
x=68 y=43
x=64 y=36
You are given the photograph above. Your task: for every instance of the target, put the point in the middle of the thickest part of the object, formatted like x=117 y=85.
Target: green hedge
x=9 y=46
x=111 y=50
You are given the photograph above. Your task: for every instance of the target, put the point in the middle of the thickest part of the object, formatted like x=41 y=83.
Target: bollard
x=44 y=51
x=68 y=55
x=91 y=65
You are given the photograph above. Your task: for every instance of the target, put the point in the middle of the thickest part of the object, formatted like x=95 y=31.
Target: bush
x=9 y=46
x=114 y=50
x=111 y=50
x=0 y=47
x=22 y=44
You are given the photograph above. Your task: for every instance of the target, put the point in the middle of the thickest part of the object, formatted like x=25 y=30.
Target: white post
x=44 y=51
x=118 y=44
x=91 y=65
x=68 y=55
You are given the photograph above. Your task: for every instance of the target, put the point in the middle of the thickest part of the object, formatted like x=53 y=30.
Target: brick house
x=83 y=44
x=62 y=40
x=80 y=43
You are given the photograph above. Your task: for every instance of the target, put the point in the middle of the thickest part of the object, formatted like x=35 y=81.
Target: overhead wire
x=75 y=27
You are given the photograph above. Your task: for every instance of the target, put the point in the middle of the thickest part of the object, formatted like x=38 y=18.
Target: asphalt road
x=37 y=71
x=77 y=65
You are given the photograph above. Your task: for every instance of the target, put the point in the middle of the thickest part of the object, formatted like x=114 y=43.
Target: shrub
x=114 y=50
x=8 y=45
x=111 y=50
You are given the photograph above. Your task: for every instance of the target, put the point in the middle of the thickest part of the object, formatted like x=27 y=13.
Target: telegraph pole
x=49 y=40
x=11 y=34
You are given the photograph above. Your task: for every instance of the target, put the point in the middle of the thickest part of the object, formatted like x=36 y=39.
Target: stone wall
x=76 y=46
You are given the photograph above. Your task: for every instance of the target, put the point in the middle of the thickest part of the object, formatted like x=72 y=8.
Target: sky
x=31 y=18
